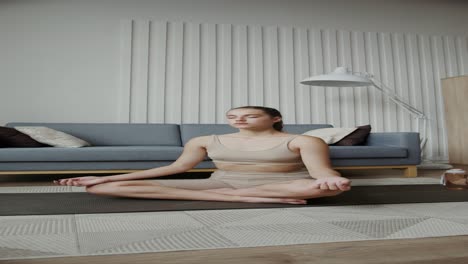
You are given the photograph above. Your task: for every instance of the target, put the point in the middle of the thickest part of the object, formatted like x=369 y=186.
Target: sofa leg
x=411 y=171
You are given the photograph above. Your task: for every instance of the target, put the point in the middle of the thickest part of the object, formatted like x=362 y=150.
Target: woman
x=258 y=164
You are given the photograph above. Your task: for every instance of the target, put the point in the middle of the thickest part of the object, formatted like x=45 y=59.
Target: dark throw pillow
x=12 y=138
x=357 y=137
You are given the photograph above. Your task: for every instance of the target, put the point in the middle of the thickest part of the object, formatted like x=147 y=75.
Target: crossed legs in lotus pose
x=292 y=192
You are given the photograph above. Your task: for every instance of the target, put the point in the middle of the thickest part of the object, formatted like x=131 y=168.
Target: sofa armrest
x=409 y=140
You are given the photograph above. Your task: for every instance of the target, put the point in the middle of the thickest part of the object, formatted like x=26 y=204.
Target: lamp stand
x=342 y=77
x=425 y=163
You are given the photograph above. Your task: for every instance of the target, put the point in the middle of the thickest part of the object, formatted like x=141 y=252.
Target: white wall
x=64 y=60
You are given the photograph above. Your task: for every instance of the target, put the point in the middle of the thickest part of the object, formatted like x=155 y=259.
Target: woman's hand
x=82 y=181
x=333 y=183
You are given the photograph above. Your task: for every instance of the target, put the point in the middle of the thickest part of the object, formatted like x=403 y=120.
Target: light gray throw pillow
x=52 y=137
x=331 y=135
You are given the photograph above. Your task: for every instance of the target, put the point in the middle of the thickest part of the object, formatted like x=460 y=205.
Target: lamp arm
x=418 y=114
x=398 y=100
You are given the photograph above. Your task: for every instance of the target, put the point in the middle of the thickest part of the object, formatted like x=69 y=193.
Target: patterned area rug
x=24 y=237
x=40 y=236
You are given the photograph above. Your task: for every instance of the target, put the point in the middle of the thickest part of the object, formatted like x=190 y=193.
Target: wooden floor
x=446 y=250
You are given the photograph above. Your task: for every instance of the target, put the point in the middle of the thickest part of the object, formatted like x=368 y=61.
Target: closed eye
x=247 y=116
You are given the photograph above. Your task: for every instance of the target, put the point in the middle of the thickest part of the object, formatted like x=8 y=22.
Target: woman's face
x=246 y=118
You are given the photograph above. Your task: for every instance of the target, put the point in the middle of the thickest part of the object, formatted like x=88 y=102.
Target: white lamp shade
x=341 y=77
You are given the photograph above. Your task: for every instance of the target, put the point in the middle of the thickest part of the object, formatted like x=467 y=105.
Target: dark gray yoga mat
x=84 y=203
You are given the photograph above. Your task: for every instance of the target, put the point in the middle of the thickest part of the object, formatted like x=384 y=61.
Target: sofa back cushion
x=116 y=134
x=189 y=131
x=302 y=128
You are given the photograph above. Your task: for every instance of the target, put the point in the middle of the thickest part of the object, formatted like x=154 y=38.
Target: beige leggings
x=235 y=179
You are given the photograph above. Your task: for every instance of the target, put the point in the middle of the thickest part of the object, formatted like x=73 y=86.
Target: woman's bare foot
x=273 y=200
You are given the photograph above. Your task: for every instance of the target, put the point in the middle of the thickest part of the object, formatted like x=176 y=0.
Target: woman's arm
x=315 y=155
x=194 y=152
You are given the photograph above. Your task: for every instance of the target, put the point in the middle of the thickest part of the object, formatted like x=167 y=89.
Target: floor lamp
x=342 y=77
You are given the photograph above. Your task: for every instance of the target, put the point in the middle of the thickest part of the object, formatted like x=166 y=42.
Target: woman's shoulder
x=308 y=138
x=305 y=140
x=226 y=135
x=202 y=141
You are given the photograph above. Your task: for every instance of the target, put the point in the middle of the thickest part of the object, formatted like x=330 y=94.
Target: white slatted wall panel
x=175 y=72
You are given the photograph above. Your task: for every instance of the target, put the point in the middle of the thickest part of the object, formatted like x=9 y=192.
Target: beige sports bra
x=277 y=155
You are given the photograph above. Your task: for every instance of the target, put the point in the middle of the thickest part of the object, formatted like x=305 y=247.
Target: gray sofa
x=120 y=147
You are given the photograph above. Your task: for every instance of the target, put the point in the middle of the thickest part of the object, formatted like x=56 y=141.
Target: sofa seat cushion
x=369 y=152
x=104 y=153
